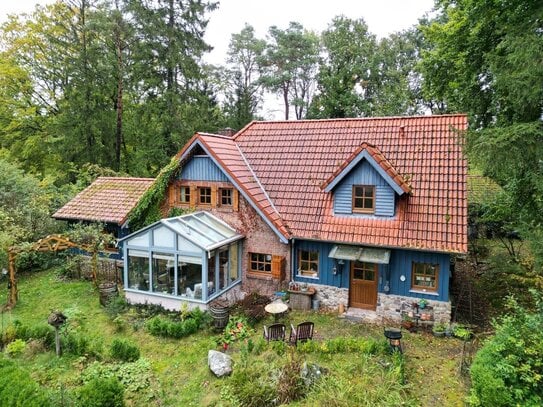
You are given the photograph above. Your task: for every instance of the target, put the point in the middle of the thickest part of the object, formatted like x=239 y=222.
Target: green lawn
x=179 y=375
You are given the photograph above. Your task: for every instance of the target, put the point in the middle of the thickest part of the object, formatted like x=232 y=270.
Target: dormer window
x=363 y=198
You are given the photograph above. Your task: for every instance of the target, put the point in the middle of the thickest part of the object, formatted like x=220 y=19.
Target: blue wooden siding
x=401 y=262
x=202 y=169
x=364 y=174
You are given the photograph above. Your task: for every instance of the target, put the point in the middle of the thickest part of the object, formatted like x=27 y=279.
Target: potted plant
x=439 y=329
x=423 y=302
x=425 y=316
x=407 y=322
x=462 y=332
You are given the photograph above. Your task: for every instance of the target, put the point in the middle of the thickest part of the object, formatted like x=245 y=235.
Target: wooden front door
x=363 y=291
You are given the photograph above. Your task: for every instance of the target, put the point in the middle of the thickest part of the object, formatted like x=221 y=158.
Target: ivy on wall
x=147 y=210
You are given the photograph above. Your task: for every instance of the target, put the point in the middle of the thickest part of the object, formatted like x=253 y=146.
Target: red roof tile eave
x=459 y=249
x=117 y=221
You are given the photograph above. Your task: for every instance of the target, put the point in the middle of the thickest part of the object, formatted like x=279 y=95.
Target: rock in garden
x=311 y=373
x=219 y=363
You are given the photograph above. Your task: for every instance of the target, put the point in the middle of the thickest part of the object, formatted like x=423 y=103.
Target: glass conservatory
x=194 y=257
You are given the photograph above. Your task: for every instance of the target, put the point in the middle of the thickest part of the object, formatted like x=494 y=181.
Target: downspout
x=293 y=241
x=125 y=266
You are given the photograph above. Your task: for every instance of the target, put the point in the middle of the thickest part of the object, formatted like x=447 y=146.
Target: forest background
x=101 y=87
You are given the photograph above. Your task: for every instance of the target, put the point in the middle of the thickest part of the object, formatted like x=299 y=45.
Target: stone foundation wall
x=388 y=307
x=330 y=297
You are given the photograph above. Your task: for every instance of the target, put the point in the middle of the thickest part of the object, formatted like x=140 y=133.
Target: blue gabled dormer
x=366 y=184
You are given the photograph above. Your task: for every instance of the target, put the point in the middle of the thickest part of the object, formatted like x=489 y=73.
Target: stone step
x=360 y=315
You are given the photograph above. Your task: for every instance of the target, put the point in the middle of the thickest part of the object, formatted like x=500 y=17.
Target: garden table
x=276 y=309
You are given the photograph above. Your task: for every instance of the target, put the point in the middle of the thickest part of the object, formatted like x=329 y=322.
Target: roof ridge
x=214 y=135
x=251 y=123
x=350 y=119
x=126 y=178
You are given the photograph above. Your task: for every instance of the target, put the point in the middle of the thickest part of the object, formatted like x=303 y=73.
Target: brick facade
x=259 y=238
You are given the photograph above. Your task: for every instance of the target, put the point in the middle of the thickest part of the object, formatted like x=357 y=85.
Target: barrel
x=107 y=292
x=220 y=315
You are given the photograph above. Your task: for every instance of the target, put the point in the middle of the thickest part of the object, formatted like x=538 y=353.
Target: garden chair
x=275 y=332
x=301 y=333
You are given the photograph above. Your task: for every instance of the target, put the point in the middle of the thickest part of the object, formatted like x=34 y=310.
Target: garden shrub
x=264 y=384
x=237 y=329
x=508 y=369
x=135 y=376
x=116 y=306
x=252 y=307
x=18 y=389
x=381 y=380
x=251 y=387
x=123 y=350
x=164 y=326
x=16 y=347
x=34 y=347
x=368 y=346
x=75 y=343
x=290 y=383
x=42 y=332
x=279 y=347
x=101 y=392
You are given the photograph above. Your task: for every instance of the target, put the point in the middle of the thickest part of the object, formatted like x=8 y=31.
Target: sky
x=382 y=16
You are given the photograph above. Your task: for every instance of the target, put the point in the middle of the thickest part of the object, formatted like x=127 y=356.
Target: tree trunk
x=13 y=295
x=285 y=100
x=85 y=65
x=170 y=67
x=119 y=105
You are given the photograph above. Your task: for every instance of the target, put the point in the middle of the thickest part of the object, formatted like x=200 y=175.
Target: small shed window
x=363 y=198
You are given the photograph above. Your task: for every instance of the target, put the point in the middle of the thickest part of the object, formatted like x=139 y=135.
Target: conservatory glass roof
x=201 y=228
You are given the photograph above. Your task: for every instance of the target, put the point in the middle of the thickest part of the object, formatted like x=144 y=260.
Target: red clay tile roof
x=107 y=199
x=292 y=159
x=379 y=159
x=231 y=159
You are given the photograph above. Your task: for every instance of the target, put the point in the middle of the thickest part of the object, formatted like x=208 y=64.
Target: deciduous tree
x=290 y=66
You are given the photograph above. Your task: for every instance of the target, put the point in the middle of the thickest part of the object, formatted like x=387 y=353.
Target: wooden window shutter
x=193 y=195
x=172 y=188
x=278 y=268
x=214 y=193
x=235 y=200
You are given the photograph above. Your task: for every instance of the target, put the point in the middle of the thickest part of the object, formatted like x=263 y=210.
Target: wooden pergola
x=51 y=243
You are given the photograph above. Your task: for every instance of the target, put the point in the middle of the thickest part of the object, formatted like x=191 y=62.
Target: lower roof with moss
x=107 y=199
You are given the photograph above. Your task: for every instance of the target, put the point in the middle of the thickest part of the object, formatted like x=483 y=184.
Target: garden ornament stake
x=56 y=319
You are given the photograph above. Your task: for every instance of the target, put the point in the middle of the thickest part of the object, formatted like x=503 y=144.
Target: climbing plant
x=147 y=209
